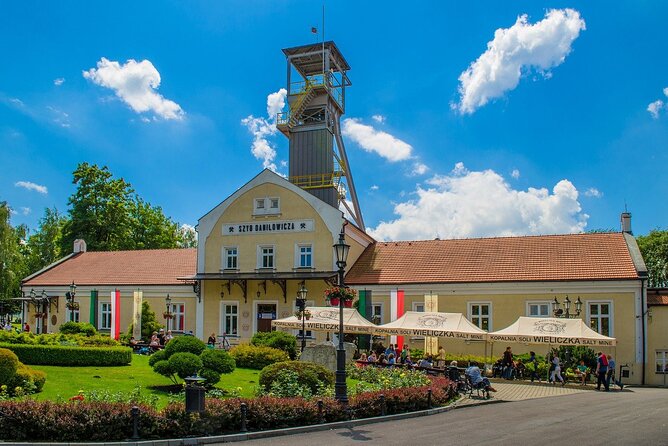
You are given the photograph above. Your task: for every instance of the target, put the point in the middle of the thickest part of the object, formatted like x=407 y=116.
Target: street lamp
x=340 y=391
x=71 y=304
x=168 y=313
x=301 y=304
x=566 y=311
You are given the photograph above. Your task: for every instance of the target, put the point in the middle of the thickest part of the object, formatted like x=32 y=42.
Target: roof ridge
x=503 y=237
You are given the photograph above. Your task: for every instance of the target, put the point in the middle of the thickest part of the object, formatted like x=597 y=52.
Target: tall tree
x=13 y=253
x=45 y=245
x=654 y=249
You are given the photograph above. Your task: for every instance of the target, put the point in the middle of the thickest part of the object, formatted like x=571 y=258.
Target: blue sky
x=578 y=137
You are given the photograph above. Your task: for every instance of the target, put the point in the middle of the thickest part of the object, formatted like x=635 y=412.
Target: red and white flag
x=396 y=311
x=116 y=314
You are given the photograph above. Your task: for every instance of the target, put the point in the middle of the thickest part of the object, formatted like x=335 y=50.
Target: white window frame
x=611 y=315
x=73 y=315
x=223 y=317
x=470 y=315
x=661 y=362
x=263 y=206
x=260 y=257
x=102 y=312
x=226 y=256
x=382 y=311
x=529 y=303
x=175 y=313
x=298 y=255
x=297 y=333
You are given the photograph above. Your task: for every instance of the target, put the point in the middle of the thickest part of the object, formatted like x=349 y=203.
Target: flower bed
x=28 y=420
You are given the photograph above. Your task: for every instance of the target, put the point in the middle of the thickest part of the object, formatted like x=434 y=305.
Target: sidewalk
x=523 y=390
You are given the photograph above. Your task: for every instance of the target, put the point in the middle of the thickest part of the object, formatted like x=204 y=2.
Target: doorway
x=265 y=314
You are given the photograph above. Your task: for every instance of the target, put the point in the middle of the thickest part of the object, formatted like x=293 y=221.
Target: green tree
x=654 y=249
x=45 y=245
x=13 y=254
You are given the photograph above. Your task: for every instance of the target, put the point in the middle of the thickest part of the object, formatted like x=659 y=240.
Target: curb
x=230 y=438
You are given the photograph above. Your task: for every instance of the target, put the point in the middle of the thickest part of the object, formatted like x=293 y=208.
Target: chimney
x=79 y=245
x=626 y=222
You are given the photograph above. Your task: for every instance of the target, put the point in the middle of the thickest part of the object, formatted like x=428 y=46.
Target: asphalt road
x=633 y=417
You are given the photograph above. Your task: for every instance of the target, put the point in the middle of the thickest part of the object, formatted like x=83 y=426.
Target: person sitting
x=520 y=368
x=169 y=336
x=382 y=359
x=425 y=362
x=582 y=372
x=390 y=359
x=133 y=342
x=211 y=342
x=473 y=372
x=154 y=343
x=408 y=361
x=372 y=357
x=389 y=350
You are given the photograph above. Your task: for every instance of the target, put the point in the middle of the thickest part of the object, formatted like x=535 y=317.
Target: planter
x=348 y=303
x=334 y=301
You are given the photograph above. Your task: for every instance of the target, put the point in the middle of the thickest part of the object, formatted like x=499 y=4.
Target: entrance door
x=265 y=314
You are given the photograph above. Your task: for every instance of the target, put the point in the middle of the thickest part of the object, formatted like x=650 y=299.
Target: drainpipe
x=644 y=334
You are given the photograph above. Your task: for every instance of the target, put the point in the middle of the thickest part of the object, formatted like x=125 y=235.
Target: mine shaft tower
x=316 y=103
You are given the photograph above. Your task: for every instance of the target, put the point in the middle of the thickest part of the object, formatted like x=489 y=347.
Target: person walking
x=610 y=377
x=507 y=363
x=534 y=362
x=601 y=372
x=556 y=372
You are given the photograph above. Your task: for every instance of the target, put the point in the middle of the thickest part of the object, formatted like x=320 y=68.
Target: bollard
x=428 y=398
x=382 y=405
x=135 y=423
x=244 y=414
x=321 y=417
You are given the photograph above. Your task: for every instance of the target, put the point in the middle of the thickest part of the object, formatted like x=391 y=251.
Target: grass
x=65 y=382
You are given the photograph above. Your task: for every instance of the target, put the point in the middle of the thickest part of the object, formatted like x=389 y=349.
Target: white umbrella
x=549 y=330
x=441 y=325
x=327 y=319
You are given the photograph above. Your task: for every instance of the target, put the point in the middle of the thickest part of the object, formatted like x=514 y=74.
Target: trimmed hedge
x=29 y=420
x=314 y=376
x=276 y=339
x=70 y=356
x=257 y=357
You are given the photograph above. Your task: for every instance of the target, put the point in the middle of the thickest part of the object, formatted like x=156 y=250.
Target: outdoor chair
x=477 y=387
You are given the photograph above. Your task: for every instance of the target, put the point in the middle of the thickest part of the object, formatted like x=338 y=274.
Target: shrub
x=29 y=379
x=71 y=356
x=184 y=364
x=78 y=339
x=314 y=376
x=212 y=377
x=9 y=363
x=78 y=327
x=184 y=344
x=218 y=360
x=276 y=339
x=257 y=357
x=160 y=355
x=163 y=368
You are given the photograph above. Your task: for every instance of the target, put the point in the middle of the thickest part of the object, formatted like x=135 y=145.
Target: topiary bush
x=276 y=339
x=184 y=364
x=311 y=375
x=212 y=377
x=16 y=378
x=84 y=328
x=71 y=356
x=257 y=357
x=160 y=355
x=9 y=363
x=218 y=360
x=183 y=344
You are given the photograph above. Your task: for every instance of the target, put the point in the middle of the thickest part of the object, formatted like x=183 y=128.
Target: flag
x=314 y=30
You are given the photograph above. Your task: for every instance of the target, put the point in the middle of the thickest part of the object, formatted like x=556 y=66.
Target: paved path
x=637 y=416
x=519 y=391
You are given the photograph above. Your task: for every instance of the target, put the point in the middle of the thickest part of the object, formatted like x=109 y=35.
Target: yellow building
x=657 y=336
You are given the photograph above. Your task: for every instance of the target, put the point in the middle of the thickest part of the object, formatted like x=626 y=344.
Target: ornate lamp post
x=71 y=304
x=301 y=305
x=340 y=390
x=168 y=313
x=566 y=311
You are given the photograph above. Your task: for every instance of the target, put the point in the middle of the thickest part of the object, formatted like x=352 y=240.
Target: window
x=178 y=322
x=600 y=317
x=230 y=258
x=418 y=306
x=662 y=361
x=480 y=314
x=377 y=313
x=266 y=257
x=267 y=206
x=538 y=309
x=73 y=315
x=304 y=256
x=105 y=316
x=230 y=319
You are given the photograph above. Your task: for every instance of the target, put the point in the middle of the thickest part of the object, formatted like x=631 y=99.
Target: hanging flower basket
x=168 y=315
x=72 y=306
x=307 y=315
x=335 y=294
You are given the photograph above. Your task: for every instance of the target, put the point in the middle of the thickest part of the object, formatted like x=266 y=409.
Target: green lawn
x=66 y=382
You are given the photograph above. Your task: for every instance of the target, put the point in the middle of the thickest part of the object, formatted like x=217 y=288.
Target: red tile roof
x=147 y=267
x=657 y=296
x=596 y=256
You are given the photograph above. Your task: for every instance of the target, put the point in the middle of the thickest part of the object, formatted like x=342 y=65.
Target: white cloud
x=419 y=169
x=32 y=186
x=665 y=91
x=25 y=210
x=654 y=108
x=59 y=81
x=473 y=204
x=593 y=192
x=372 y=140
x=515 y=50
x=374 y=187
x=59 y=117
x=263 y=128
x=515 y=173
x=135 y=83
x=17 y=102
x=380 y=119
